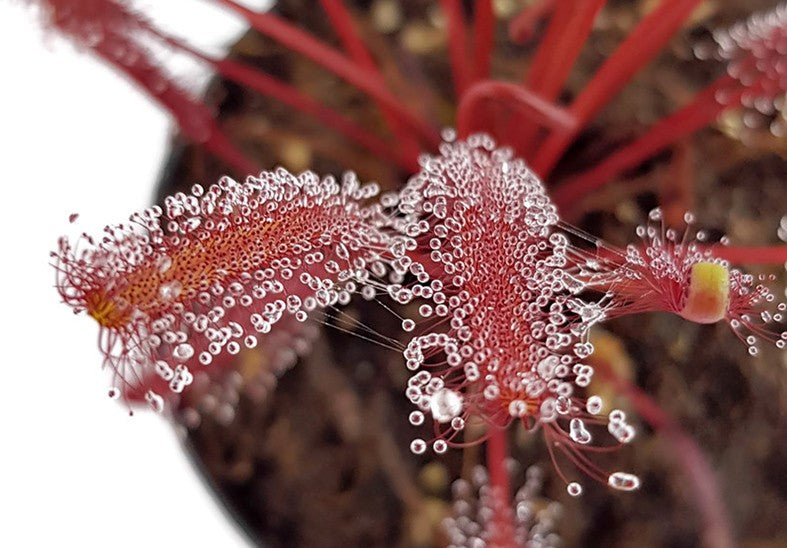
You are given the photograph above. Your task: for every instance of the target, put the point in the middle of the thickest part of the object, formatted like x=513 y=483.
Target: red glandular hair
x=213 y=270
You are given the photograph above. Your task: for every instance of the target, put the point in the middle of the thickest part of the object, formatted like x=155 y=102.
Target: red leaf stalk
x=754 y=51
x=266 y=85
x=557 y=52
x=703 y=110
x=639 y=47
x=457 y=44
x=473 y=117
x=303 y=42
x=347 y=30
x=772 y=254
x=483 y=39
x=523 y=26
x=496 y=454
x=117 y=35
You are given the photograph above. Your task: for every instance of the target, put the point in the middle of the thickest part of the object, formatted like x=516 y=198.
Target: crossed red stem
x=496 y=454
x=195 y=119
x=264 y=84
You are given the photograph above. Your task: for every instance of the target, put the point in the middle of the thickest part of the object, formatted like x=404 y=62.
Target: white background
x=75 y=469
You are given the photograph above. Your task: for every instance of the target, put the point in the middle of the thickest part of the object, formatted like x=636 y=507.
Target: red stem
x=483 y=36
x=558 y=51
x=347 y=30
x=703 y=110
x=523 y=26
x=457 y=43
x=332 y=60
x=470 y=115
x=266 y=85
x=676 y=185
x=195 y=118
x=639 y=47
x=774 y=254
x=697 y=471
x=496 y=454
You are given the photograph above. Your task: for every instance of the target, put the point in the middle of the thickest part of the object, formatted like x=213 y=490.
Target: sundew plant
x=461 y=224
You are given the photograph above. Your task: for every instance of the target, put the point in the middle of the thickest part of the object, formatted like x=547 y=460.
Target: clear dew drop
x=445 y=405
x=517 y=408
x=621 y=431
x=440 y=446
x=418 y=446
x=183 y=352
x=416 y=418
x=623 y=481
x=113 y=393
x=491 y=392
x=578 y=433
x=574 y=489
x=164 y=263
x=155 y=401
x=170 y=290
x=163 y=370
x=617 y=415
x=408 y=325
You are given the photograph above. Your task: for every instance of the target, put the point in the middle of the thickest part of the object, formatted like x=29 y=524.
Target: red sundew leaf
x=503 y=333
x=673 y=272
x=213 y=270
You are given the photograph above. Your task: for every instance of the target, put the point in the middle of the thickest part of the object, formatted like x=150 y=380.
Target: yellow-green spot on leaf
x=709 y=293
